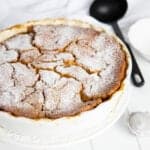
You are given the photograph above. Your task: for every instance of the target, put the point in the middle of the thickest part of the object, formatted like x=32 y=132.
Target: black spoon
x=110 y=11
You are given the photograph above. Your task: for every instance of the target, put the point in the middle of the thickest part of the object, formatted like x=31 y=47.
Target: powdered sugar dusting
x=6 y=71
x=23 y=75
x=58 y=70
x=29 y=56
x=51 y=38
x=8 y=56
x=60 y=99
x=74 y=71
x=58 y=37
x=20 y=42
x=49 y=77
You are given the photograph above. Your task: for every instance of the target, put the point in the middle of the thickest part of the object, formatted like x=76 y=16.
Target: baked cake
x=52 y=70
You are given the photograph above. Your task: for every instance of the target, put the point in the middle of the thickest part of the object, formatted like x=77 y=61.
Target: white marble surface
x=118 y=137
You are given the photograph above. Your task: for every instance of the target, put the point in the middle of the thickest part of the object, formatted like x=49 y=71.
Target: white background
x=117 y=137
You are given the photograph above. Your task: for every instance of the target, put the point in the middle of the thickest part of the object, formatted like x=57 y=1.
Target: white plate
x=59 y=132
x=139 y=35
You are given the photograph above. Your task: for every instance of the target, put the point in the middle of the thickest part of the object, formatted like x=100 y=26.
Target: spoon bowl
x=108 y=10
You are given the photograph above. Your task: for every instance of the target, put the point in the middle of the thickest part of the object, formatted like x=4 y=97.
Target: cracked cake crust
x=55 y=70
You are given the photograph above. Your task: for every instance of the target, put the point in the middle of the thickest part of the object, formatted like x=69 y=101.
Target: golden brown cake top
x=53 y=71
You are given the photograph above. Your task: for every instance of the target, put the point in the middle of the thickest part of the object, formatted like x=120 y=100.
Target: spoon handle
x=136 y=75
